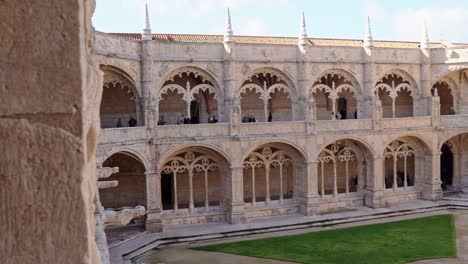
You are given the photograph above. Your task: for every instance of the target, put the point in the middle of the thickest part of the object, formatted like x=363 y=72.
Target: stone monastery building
x=339 y=123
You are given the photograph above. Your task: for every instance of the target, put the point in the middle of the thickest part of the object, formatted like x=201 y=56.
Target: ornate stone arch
x=368 y=147
x=191 y=82
x=347 y=76
x=408 y=81
x=288 y=143
x=416 y=141
x=269 y=84
x=129 y=152
x=282 y=76
x=181 y=148
x=113 y=74
x=206 y=77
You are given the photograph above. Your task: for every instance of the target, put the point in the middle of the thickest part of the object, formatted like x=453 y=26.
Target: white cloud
x=443 y=23
x=253 y=27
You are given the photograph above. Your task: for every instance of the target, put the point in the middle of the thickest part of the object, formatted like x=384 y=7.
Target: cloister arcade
x=444 y=90
x=396 y=90
x=188 y=92
x=131 y=188
x=192 y=180
x=454 y=162
x=267 y=91
x=335 y=91
x=120 y=99
x=343 y=168
x=270 y=174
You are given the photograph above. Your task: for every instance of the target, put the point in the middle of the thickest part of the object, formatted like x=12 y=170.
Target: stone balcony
x=288 y=128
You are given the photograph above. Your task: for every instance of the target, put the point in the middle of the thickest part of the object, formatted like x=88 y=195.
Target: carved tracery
x=392 y=84
x=338 y=152
x=267 y=158
x=190 y=163
x=395 y=151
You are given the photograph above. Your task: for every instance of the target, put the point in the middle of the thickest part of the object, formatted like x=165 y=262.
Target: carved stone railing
x=453 y=120
x=190 y=131
x=123 y=134
x=406 y=122
x=343 y=125
x=287 y=127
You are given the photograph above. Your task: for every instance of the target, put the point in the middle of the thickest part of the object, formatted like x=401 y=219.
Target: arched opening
x=119 y=104
x=131 y=188
x=446 y=166
x=335 y=96
x=187 y=97
x=396 y=94
x=454 y=164
x=192 y=180
x=407 y=163
x=444 y=91
x=270 y=174
x=266 y=97
x=342 y=169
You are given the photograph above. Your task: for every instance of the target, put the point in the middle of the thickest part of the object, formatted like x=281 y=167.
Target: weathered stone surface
x=122 y=216
x=47 y=165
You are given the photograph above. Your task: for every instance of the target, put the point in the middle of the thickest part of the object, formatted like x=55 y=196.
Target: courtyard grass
x=388 y=243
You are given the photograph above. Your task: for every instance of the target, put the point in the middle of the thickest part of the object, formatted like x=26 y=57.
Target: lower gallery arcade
x=199 y=184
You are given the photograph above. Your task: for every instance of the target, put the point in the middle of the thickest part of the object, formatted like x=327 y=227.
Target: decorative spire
x=147 y=31
x=425 y=37
x=303 y=33
x=228 y=34
x=368 y=38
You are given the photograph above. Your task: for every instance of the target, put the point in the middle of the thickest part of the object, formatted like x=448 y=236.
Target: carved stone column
x=377 y=112
x=311 y=116
x=435 y=111
x=375 y=185
x=432 y=189
x=308 y=197
x=153 y=202
x=147 y=102
x=234 y=196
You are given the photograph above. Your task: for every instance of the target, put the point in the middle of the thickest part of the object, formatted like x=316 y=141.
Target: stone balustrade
x=406 y=122
x=454 y=120
x=343 y=125
x=190 y=131
x=167 y=132
x=286 y=127
x=123 y=134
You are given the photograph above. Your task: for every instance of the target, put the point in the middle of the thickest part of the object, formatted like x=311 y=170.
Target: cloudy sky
x=391 y=19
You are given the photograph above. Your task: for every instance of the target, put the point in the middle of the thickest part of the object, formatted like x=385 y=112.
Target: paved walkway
x=185 y=255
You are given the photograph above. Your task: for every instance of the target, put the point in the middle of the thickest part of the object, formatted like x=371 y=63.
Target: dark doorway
x=167 y=191
x=195 y=112
x=446 y=167
x=342 y=106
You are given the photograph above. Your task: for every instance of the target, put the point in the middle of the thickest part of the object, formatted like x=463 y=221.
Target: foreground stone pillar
x=49 y=124
x=375 y=185
x=153 y=202
x=308 y=197
x=234 y=196
x=432 y=189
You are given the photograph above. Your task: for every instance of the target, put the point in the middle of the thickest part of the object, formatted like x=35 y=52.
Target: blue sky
x=390 y=19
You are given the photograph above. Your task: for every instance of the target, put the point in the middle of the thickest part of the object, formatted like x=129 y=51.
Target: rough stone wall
x=47 y=162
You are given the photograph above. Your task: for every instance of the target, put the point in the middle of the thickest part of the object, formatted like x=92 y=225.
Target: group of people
x=187 y=120
x=342 y=115
x=249 y=119
x=132 y=122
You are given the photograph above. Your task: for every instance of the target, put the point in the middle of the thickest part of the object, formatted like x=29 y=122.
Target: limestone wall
x=48 y=132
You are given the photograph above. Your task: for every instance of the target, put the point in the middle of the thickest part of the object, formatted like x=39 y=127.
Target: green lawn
x=389 y=243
